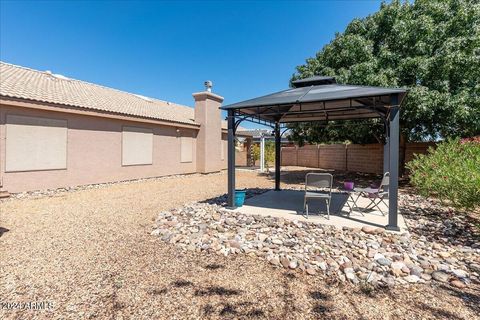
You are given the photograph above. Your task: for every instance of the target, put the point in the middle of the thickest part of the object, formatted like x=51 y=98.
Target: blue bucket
x=239 y=197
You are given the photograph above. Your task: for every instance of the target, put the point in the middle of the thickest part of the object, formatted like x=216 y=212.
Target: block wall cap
x=204 y=95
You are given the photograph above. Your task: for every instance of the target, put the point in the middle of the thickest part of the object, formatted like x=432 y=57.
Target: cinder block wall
x=332 y=156
x=353 y=157
x=365 y=158
x=417 y=147
x=308 y=156
x=289 y=156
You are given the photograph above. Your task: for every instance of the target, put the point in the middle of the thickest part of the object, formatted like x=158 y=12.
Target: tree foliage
x=431 y=47
x=269 y=153
x=450 y=172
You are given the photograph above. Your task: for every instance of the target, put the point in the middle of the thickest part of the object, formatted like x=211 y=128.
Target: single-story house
x=59 y=132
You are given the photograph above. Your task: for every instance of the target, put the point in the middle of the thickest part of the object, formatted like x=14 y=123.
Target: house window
x=186 y=149
x=34 y=143
x=137 y=146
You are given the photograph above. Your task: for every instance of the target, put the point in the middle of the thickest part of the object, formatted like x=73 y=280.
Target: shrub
x=255 y=153
x=269 y=153
x=450 y=172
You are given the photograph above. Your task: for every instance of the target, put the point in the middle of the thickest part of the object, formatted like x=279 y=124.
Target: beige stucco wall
x=224 y=142
x=94 y=152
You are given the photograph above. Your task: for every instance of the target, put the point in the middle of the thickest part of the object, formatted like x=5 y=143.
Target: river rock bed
x=367 y=255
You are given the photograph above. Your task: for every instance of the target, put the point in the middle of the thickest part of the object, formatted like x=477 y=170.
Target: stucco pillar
x=207 y=114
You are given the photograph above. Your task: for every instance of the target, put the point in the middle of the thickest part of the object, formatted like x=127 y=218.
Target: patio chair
x=375 y=195
x=318 y=186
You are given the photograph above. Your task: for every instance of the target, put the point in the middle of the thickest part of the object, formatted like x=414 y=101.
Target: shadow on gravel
x=436 y=222
x=224 y=309
x=182 y=283
x=214 y=266
x=216 y=291
x=229 y=310
x=470 y=300
x=157 y=292
x=222 y=199
x=320 y=308
x=3 y=230
x=436 y=312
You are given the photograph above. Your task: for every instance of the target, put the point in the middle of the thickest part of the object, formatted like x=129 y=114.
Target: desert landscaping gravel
x=89 y=253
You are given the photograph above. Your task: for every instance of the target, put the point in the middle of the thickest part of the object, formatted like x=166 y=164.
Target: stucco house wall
x=94 y=152
x=59 y=132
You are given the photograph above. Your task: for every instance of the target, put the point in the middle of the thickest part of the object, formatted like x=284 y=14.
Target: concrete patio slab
x=288 y=204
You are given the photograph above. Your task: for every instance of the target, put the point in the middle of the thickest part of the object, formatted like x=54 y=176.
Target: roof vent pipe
x=208 y=85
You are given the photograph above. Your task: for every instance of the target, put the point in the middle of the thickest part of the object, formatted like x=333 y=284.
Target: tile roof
x=25 y=83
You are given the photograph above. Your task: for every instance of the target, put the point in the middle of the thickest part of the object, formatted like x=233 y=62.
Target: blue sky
x=167 y=50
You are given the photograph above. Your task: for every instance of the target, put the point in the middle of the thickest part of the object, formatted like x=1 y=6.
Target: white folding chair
x=318 y=186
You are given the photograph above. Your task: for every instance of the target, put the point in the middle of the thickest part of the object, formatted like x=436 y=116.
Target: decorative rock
x=293 y=264
x=371 y=253
x=384 y=262
x=351 y=276
x=277 y=242
x=426 y=276
x=368 y=254
x=262 y=237
x=440 y=276
x=460 y=273
x=285 y=262
x=234 y=244
x=310 y=271
x=348 y=270
x=389 y=281
x=397 y=265
x=378 y=256
x=475 y=267
x=443 y=254
x=369 y=230
x=275 y=261
x=412 y=279
x=396 y=272
x=289 y=243
x=458 y=284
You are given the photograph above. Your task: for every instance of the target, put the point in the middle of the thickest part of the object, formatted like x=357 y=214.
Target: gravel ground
x=89 y=253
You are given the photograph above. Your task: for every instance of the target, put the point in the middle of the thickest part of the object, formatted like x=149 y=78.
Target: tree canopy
x=431 y=47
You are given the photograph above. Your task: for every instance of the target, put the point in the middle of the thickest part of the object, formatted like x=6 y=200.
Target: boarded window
x=34 y=143
x=186 y=149
x=137 y=146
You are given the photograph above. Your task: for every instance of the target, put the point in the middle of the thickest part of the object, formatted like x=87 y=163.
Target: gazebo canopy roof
x=320 y=99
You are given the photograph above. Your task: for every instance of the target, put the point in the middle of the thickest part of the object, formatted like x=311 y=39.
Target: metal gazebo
x=322 y=99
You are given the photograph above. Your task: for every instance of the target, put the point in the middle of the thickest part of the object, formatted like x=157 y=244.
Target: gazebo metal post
x=231 y=160
x=277 y=156
x=386 y=153
x=394 y=142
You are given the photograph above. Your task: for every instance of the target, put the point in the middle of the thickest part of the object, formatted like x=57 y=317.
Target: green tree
x=431 y=47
